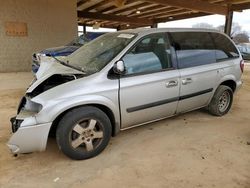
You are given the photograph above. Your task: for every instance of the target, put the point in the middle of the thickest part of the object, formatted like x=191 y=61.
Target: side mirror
x=119 y=67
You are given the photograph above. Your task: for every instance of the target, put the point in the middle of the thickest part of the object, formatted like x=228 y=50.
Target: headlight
x=33 y=106
x=27 y=105
x=39 y=55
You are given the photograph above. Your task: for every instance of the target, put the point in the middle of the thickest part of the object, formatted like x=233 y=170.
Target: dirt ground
x=187 y=151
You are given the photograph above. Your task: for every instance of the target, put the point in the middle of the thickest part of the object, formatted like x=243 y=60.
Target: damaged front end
x=26 y=108
x=51 y=82
x=26 y=129
x=30 y=134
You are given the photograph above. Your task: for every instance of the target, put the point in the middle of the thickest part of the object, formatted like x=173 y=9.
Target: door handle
x=187 y=81
x=172 y=83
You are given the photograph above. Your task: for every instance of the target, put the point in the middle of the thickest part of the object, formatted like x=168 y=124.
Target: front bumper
x=28 y=139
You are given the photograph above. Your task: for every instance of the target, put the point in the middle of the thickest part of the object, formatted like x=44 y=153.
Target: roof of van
x=156 y=30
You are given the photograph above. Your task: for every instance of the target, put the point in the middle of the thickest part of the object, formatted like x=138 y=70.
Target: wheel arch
x=227 y=81
x=115 y=125
x=230 y=83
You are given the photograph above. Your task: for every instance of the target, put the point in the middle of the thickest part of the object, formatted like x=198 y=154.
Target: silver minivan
x=123 y=80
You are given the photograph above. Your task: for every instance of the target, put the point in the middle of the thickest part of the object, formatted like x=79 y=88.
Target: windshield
x=96 y=54
x=79 y=41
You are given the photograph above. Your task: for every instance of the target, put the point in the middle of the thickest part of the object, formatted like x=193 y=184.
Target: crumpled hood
x=60 y=51
x=49 y=67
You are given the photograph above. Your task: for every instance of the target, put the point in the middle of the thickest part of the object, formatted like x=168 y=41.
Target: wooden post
x=228 y=23
x=154 y=25
x=118 y=28
x=84 y=29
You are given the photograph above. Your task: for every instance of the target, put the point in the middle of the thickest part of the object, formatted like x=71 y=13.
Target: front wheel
x=221 y=101
x=83 y=132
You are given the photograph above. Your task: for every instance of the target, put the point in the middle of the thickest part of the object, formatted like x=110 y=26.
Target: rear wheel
x=221 y=101
x=83 y=132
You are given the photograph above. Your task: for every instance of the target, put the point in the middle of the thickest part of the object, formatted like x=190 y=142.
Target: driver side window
x=151 y=54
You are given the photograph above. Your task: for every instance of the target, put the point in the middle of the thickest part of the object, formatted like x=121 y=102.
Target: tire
x=83 y=132
x=222 y=101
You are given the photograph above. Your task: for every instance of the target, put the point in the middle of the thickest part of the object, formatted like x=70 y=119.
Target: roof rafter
x=115 y=18
x=128 y=4
x=180 y=17
x=138 y=13
x=143 y=7
x=196 y=5
x=152 y=13
x=98 y=5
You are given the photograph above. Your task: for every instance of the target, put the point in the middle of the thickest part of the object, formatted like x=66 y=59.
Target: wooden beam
x=87 y=4
x=153 y=10
x=113 y=8
x=134 y=8
x=180 y=17
x=116 y=3
x=119 y=3
x=237 y=1
x=98 y=5
x=242 y=6
x=79 y=3
x=172 y=14
x=196 y=5
x=166 y=12
x=112 y=17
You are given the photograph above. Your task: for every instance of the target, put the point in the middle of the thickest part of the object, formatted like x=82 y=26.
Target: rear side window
x=224 y=48
x=193 y=48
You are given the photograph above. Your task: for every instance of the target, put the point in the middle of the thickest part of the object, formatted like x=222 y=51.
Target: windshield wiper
x=67 y=64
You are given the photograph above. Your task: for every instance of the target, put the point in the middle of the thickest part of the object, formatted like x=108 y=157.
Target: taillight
x=242 y=65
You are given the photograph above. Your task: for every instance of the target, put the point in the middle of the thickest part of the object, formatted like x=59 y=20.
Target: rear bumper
x=29 y=138
x=238 y=85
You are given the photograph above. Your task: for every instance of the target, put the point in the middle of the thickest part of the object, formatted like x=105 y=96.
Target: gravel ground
x=190 y=150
